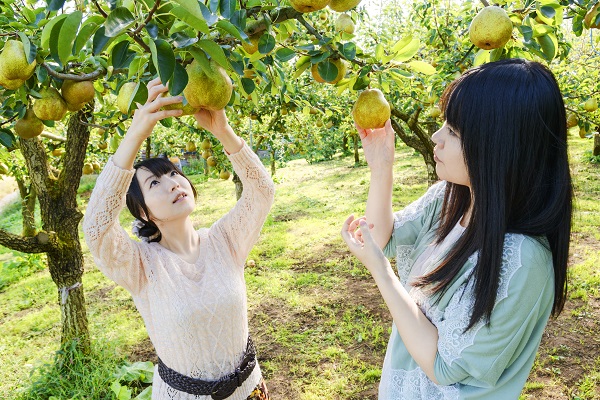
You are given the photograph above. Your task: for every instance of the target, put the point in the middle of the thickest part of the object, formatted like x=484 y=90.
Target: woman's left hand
x=361 y=243
x=213 y=121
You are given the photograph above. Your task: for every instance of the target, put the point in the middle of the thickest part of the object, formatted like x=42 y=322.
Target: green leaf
x=121 y=56
x=137 y=65
x=327 y=70
x=145 y=395
x=54 y=41
x=140 y=97
x=549 y=45
x=45 y=40
x=248 y=85
x=163 y=58
x=6 y=138
x=55 y=5
x=422 y=67
x=348 y=50
x=214 y=51
x=227 y=8
x=209 y=17
x=361 y=83
x=285 y=54
x=481 y=57
x=195 y=21
x=379 y=52
x=118 y=21
x=100 y=41
x=266 y=43
x=86 y=31
x=548 y=11
x=179 y=80
x=399 y=74
x=526 y=31
x=231 y=29
x=28 y=47
x=201 y=58
x=68 y=34
x=407 y=50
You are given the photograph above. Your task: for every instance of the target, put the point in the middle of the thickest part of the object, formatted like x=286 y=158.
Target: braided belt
x=219 y=389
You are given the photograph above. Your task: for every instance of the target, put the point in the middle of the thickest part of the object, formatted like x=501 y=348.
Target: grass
x=319 y=323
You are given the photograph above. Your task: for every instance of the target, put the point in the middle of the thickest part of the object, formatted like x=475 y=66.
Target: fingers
x=354 y=224
x=155 y=91
x=365 y=231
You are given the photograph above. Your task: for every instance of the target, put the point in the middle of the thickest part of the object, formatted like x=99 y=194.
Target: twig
x=53 y=137
x=9 y=120
x=466 y=54
x=78 y=78
x=100 y=10
x=148 y=18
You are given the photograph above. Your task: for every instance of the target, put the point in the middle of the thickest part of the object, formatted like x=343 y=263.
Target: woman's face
x=449 y=160
x=168 y=197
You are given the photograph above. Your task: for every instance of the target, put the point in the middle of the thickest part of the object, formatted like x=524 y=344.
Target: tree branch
x=53 y=137
x=148 y=18
x=43 y=242
x=79 y=78
x=100 y=10
x=9 y=120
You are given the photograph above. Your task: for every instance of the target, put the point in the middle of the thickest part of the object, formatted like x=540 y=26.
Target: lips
x=179 y=197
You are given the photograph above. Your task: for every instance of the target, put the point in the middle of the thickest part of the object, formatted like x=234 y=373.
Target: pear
x=208 y=89
x=341 y=67
x=206 y=154
x=344 y=23
x=224 y=175
x=29 y=126
x=591 y=17
x=590 y=105
x=125 y=96
x=206 y=144
x=51 y=107
x=87 y=169
x=571 y=120
x=251 y=47
x=343 y=5
x=10 y=84
x=435 y=112
x=491 y=28
x=187 y=109
x=13 y=61
x=306 y=6
x=371 y=109
x=211 y=161
x=77 y=94
x=190 y=146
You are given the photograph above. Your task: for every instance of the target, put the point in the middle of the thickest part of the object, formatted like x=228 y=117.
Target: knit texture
x=195 y=314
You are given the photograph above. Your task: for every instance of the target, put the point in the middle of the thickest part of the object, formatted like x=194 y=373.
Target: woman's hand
x=146 y=116
x=361 y=244
x=213 y=121
x=378 y=145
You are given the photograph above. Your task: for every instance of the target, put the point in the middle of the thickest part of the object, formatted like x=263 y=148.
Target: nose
x=173 y=184
x=436 y=137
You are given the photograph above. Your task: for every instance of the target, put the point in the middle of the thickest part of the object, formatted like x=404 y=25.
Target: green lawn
x=319 y=323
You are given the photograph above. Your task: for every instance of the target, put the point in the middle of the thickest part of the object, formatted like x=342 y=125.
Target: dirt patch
x=289 y=216
x=143 y=351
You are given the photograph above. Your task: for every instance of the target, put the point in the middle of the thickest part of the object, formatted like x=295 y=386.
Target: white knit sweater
x=195 y=314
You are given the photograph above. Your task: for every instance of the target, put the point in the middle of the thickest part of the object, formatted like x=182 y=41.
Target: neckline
x=201 y=245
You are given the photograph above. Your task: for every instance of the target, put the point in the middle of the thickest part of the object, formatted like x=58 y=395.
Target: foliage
x=19 y=266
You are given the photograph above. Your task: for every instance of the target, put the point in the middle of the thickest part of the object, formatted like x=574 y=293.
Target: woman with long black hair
x=482 y=256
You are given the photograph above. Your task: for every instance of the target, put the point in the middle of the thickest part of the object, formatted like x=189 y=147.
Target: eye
x=174 y=172
x=154 y=182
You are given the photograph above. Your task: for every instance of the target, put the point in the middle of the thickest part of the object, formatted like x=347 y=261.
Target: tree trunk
x=355 y=141
x=272 y=162
x=28 y=198
x=345 y=144
x=148 y=147
x=60 y=219
x=596 y=150
x=239 y=187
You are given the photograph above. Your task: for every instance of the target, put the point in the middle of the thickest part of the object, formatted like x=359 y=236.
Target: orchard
x=293 y=76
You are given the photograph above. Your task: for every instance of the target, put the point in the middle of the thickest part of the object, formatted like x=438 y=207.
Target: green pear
x=344 y=23
x=77 y=94
x=10 y=84
x=13 y=61
x=125 y=97
x=491 y=28
x=187 y=109
x=29 y=126
x=371 y=109
x=251 y=47
x=207 y=89
x=343 y=5
x=51 y=107
x=591 y=105
x=306 y=6
x=341 y=67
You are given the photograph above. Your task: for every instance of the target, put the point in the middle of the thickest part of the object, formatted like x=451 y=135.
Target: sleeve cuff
x=243 y=156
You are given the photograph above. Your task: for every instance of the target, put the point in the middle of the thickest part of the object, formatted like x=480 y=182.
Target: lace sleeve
x=241 y=226
x=115 y=254
x=409 y=221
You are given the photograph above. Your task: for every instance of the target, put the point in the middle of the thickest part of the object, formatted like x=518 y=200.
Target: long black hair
x=511 y=120
x=134 y=199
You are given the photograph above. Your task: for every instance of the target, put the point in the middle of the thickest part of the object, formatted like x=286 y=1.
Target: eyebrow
x=151 y=176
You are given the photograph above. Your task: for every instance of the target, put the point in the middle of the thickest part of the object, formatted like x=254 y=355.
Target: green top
x=488 y=361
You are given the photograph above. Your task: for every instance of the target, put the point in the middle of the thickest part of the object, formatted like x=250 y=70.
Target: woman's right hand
x=146 y=116
x=378 y=145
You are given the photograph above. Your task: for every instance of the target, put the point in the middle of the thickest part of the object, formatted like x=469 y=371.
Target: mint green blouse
x=488 y=361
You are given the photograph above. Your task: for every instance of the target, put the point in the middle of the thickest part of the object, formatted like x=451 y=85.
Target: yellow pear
x=206 y=154
x=10 y=84
x=13 y=61
x=58 y=152
x=306 y=6
x=51 y=106
x=211 y=161
x=344 y=23
x=125 y=97
x=591 y=105
x=251 y=47
x=571 y=120
x=190 y=146
x=435 y=112
x=339 y=64
x=343 y=5
x=88 y=168
x=206 y=144
x=224 y=175
x=77 y=94
x=208 y=89
x=591 y=16
x=102 y=145
x=29 y=126
x=371 y=109
x=491 y=28
x=187 y=109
